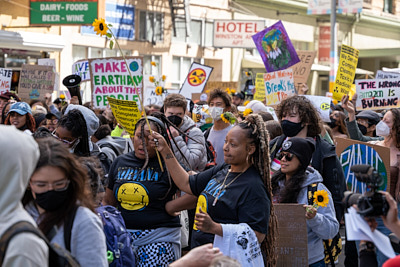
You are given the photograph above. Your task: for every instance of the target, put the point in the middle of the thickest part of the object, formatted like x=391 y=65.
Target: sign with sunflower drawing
x=195 y=80
x=275 y=48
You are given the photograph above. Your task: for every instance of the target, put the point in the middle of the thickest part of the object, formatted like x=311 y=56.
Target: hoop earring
x=247 y=158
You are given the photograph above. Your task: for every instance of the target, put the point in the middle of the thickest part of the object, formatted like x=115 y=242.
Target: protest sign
x=212 y=85
x=5 y=80
x=35 y=82
x=380 y=74
x=81 y=68
x=201 y=115
x=352 y=152
x=151 y=98
x=195 y=80
x=111 y=77
x=278 y=86
x=126 y=112
x=346 y=71
x=377 y=94
x=275 y=48
x=322 y=104
x=259 y=94
x=292 y=239
x=301 y=70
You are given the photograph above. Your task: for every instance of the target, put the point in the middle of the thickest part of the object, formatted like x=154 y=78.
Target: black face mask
x=332 y=123
x=362 y=128
x=52 y=200
x=291 y=129
x=176 y=120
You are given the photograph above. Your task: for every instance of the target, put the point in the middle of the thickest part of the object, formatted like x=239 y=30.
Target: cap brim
x=20 y=112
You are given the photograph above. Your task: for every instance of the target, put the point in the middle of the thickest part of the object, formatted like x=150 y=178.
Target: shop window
x=151 y=26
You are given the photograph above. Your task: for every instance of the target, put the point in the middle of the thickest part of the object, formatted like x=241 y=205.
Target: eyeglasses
x=40 y=187
x=53 y=121
x=288 y=156
x=62 y=140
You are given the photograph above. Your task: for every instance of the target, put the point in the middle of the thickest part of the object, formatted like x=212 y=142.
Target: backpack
x=111 y=147
x=105 y=163
x=332 y=247
x=211 y=154
x=118 y=239
x=57 y=255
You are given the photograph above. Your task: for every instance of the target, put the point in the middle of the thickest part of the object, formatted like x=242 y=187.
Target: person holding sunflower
x=291 y=184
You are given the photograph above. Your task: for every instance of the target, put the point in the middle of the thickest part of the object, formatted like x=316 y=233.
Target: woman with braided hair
x=232 y=194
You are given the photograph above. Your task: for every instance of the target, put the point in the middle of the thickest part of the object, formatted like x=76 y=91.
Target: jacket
x=355 y=133
x=25 y=249
x=325 y=161
x=194 y=151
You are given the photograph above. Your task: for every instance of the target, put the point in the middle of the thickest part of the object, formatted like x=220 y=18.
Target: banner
x=322 y=104
x=5 y=80
x=275 y=48
x=35 y=82
x=110 y=77
x=301 y=70
x=346 y=71
x=380 y=74
x=319 y=7
x=350 y=6
x=126 y=112
x=81 y=68
x=195 y=80
x=278 y=86
x=236 y=33
x=375 y=94
x=259 y=93
x=292 y=239
x=324 y=44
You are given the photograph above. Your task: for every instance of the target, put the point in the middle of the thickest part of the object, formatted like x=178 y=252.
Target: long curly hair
x=30 y=122
x=256 y=131
x=395 y=131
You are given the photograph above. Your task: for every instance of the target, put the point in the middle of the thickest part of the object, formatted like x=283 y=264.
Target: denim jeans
x=320 y=263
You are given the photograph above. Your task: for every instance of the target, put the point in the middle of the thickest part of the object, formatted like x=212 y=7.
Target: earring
x=247 y=158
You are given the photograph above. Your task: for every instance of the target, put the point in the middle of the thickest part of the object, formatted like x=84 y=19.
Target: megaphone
x=72 y=82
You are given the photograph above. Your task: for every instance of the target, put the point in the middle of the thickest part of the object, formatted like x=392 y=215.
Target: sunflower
x=153 y=63
x=163 y=77
x=159 y=90
x=100 y=27
x=224 y=119
x=245 y=103
x=321 y=198
x=62 y=96
x=152 y=79
x=247 y=111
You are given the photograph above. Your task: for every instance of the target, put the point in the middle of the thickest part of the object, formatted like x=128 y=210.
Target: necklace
x=224 y=186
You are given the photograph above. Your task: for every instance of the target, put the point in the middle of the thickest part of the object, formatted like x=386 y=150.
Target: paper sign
x=195 y=80
x=35 y=82
x=259 y=93
x=301 y=70
x=81 y=68
x=292 y=238
x=322 y=104
x=222 y=85
x=151 y=98
x=126 y=112
x=5 y=80
x=386 y=75
x=278 y=86
x=346 y=71
x=110 y=77
x=275 y=48
x=375 y=94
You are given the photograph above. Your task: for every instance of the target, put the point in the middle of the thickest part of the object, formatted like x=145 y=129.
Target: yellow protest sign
x=126 y=112
x=346 y=71
x=260 y=88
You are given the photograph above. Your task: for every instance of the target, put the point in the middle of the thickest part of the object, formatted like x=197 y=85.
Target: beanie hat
x=303 y=148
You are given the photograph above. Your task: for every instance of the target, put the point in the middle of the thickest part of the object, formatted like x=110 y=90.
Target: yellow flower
x=100 y=26
x=62 y=96
x=208 y=91
x=159 y=90
x=152 y=79
x=247 y=111
x=245 y=103
x=321 y=198
x=224 y=119
x=153 y=63
x=163 y=77
x=233 y=91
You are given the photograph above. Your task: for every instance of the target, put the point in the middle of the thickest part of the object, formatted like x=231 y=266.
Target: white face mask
x=382 y=129
x=215 y=112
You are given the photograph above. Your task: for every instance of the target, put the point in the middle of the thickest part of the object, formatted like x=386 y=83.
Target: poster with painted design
x=322 y=104
x=35 y=82
x=352 y=152
x=278 y=86
x=5 y=80
x=376 y=94
x=126 y=112
x=275 y=48
x=195 y=80
x=81 y=68
x=112 y=77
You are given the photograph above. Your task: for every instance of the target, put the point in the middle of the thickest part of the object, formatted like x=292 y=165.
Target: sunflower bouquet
x=321 y=199
x=158 y=83
x=228 y=117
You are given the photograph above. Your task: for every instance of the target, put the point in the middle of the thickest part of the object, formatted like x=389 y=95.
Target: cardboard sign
x=346 y=71
x=212 y=85
x=278 y=86
x=301 y=70
x=377 y=94
x=275 y=48
x=380 y=74
x=292 y=238
x=195 y=80
x=259 y=93
x=111 y=77
x=236 y=33
x=322 y=104
x=126 y=112
x=352 y=152
x=35 y=82
x=81 y=68
x=5 y=80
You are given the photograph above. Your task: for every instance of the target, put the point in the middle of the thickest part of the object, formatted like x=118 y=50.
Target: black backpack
x=211 y=154
x=57 y=255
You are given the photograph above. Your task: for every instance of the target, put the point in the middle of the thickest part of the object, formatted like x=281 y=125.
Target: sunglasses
x=62 y=140
x=288 y=156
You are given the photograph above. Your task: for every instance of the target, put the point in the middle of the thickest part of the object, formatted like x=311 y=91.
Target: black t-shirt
x=243 y=201
x=140 y=194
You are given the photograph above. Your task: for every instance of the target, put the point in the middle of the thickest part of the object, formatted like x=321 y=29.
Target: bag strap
x=68 y=223
x=207 y=133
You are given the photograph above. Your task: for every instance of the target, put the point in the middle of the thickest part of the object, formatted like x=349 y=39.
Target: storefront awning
x=31 y=41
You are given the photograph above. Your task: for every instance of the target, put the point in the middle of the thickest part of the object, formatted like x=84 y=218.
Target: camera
x=372 y=203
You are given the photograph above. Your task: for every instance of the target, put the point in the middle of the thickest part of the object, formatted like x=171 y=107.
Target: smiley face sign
x=133 y=196
x=196 y=77
x=201 y=203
